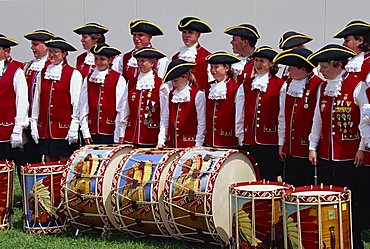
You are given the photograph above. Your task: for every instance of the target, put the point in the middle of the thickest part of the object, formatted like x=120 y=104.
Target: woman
x=102 y=91
x=220 y=101
x=144 y=100
x=185 y=124
x=55 y=120
x=257 y=110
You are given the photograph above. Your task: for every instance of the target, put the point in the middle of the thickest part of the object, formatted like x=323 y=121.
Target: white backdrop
x=318 y=18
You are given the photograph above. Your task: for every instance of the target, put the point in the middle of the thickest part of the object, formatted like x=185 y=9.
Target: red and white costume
x=85 y=63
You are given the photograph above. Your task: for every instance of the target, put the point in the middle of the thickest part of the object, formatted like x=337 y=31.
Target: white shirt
x=36 y=64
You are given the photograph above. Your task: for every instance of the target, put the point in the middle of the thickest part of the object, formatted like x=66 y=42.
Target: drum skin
x=6 y=193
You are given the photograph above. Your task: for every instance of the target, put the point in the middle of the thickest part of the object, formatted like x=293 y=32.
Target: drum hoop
x=43 y=168
x=6 y=166
x=338 y=194
x=49 y=230
x=276 y=193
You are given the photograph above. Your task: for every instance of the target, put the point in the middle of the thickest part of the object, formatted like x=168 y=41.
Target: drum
x=197 y=191
x=318 y=217
x=42 y=212
x=137 y=191
x=6 y=193
x=86 y=185
x=257 y=215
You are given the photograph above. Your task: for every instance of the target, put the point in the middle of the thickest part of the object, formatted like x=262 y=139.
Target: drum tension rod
x=193 y=216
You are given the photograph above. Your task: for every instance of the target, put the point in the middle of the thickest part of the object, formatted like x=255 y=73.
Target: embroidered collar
x=89 y=59
x=239 y=66
x=54 y=72
x=181 y=96
x=354 y=64
x=260 y=82
x=98 y=76
x=37 y=64
x=188 y=53
x=334 y=86
x=218 y=90
x=145 y=81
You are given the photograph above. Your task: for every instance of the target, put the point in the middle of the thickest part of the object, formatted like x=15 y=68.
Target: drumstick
x=315 y=175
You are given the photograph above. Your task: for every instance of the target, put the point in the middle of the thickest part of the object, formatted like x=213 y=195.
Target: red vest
x=143 y=122
x=247 y=71
x=298 y=118
x=340 y=136
x=200 y=70
x=220 y=114
x=261 y=111
x=182 y=125
x=55 y=105
x=83 y=68
x=102 y=104
x=7 y=101
x=365 y=68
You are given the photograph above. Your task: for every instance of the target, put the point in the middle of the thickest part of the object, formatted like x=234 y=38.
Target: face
x=56 y=56
x=180 y=82
x=141 y=39
x=2 y=54
x=144 y=64
x=102 y=62
x=352 y=43
x=39 y=49
x=190 y=37
x=219 y=71
x=329 y=71
x=262 y=65
x=237 y=44
x=87 y=42
x=297 y=73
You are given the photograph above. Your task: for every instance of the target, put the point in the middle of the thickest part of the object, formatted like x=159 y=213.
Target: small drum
x=42 y=212
x=87 y=183
x=137 y=191
x=6 y=193
x=318 y=217
x=196 y=192
x=256 y=214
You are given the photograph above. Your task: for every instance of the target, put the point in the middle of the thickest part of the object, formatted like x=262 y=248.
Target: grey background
x=318 y=18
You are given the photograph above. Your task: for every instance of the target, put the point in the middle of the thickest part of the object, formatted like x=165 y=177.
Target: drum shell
x=6 y=193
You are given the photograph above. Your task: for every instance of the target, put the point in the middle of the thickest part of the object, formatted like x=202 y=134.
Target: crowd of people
x=302 y=115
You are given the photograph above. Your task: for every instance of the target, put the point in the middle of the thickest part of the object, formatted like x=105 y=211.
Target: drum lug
x=194 y=218
x=139 y=223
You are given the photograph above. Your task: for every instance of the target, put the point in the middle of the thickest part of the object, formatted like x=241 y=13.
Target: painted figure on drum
x=189 y=181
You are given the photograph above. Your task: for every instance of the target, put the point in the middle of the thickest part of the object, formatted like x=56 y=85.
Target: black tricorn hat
x=145 y=26
x=353 y=28
x=244 y=30
x=104 y=49
x=61 y=43
x=6 y=42
x=331 y=52
x=39 y=35
x=292 y=39
x=296 y=57
x=193 y=23
x=91 y=28
x=148 y=53
x=222 y=57
x=265 y=52
x=177 y=68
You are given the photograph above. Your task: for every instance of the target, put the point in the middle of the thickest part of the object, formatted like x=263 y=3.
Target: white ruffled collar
x=189 y=53
x=296 y=88
x=334 y=86
x=2 y=65
x=239 y=66
x=37 y=64
x=218 y=90
x=98 y=76
x=260 y=82
x=181 y=96
x=89 y=59
x=54 y=72
x=145 y=81
x=354 y=64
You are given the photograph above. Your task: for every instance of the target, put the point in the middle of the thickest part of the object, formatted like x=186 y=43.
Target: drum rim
x=45 y=167
x=338 y=193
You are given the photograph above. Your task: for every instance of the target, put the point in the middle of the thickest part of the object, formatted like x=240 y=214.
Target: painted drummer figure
x=101 y=95
x=185 y=123
x=220 y=101
x=91 y=34
x=191 y=29
x=145 y=99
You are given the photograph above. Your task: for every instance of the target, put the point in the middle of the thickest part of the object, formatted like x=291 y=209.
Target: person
x=243 y=43
x=55 y=115
x=220 y=101
x=297 y=105
x=13 y=101
x=185 y=123
x=257 y=110
x=191 y=28
x=142 y=32
x=102 y=91
x=145 y=99
x=335 y=143
x=91 y=34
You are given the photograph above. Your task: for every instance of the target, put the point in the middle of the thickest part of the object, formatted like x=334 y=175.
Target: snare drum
x=318 y=217
x=6 y=193
x=87 y=183
x=196 y=192
x=42 y=212
x=256 y=214
x=137 y=191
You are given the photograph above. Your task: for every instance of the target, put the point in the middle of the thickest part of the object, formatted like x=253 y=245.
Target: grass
x=16 y=238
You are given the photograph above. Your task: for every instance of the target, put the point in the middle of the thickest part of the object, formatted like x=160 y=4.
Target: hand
x=282 y=156
x=88 y=140
x=121 y=140
x=359 y=158
x=312 y=157
x=72 y=137
x=160 y=146
x=16 y=140
x=34 y=132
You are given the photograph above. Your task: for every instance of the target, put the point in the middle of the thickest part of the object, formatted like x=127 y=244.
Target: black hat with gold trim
x=104 y=49
x=6 y=42
x=353 y=28
x=39 y=35
x=61 y=43
x=193 y=23
x=243 y=30
x=265 y=52
x=331 y=52
x=296 y=57
x=148 y=53
x=177 y=68
x=145 y=26
x=91 y=28
x=222 y=57
x=292 y=39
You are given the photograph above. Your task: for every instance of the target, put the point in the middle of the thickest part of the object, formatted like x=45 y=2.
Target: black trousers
x=299 y=171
